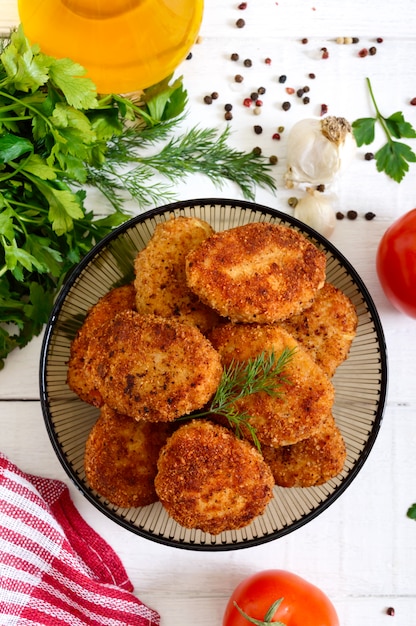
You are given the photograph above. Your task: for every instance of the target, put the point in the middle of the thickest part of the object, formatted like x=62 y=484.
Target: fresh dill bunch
x=198 y=151
x=262 y=373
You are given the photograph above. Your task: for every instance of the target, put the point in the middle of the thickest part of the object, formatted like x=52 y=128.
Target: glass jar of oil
x=124 y=45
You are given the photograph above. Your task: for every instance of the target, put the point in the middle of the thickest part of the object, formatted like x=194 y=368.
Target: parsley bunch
x=394 y=157
x=57 y=138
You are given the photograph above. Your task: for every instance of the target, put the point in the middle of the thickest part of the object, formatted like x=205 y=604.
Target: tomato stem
x=267 y=618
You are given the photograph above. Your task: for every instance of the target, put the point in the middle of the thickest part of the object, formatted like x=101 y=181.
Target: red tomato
x=302 y=603
x=396 y=263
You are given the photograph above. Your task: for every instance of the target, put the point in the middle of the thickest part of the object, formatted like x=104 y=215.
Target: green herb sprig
x=58 y=137
x=411 y=511
x=262 y=373
x=394 y=157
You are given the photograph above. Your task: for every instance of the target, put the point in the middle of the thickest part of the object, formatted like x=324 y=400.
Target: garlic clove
x=316 y=210
x=318 y=149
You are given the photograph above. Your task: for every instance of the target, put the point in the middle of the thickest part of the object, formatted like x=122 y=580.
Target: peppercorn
x=390 y=611
x=228 y=107
x=324 y=109
x=286 y=106
x=208 y=100
x=299 y=93
x=413 y=101
x=348 y=40
x=273 y=159
x=325 y=53
x=339 y=215
x=363 y=53
x=292 y=202
x=305 y=40
x=306 y=89
x=352 y=215
x=242 y=6
x=240 y=23
x=369 y=156
x=228 y=116
x=276 y=136
x=372 y=50
x=235 y=56
x=257 y=151
x=214 y=95
x=261 y=90
x=369 y=216
x=259 y=103
x=268 y=61
x=282 y=78
x=257 y=110
x=280 y=129
x=254 y=95
x=355 y=40
x=289 y=90
x=258 y=130
x=189 y=56
x=306 y=100
x=312 y=75
x=320 y=188
x=247 y=102
x=379 y=39
x=248 y=63
x=238 y=78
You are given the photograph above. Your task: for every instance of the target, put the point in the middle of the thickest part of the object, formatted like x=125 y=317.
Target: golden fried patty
x=121 y=456
x=210 y=480
x=306 y=397
x=160 y=278
x=116 y=300
x=310 y=462
x=258 y=272
x=327 y=328
x=152 y=368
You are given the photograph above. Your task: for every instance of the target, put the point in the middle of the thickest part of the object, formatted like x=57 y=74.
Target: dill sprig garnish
x=262 y=373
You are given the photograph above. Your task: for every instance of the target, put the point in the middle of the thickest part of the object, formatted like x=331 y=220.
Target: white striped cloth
x=55 y=570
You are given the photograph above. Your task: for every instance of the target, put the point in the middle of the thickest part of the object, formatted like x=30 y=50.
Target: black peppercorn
x=238 y=78
x=258 y=129
x=339 y=215
x=369 y=216
x=228 y=116
x=248 y=63
x=235 y=56
x=208 y=100
x=228 y=107
x=352 y=215
x=273 y=159
x=369 y=156
x=286 y=106
x=240 y=23
x=257 y=151
x=282 y=78
x=261 y=90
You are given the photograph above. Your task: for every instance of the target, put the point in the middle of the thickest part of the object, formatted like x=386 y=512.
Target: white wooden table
x=362 y=550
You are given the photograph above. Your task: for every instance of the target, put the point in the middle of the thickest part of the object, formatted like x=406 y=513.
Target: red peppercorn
x=325 y=53
x=290 y=90
x=413 y=101
x=268 y=61
x=247 y=102
x=379 y=39
x=276 y=136
x=242 y=6
x=305 y=40
x=259 y=103
x=390 y=611
x=363 y=53
x=324 y=109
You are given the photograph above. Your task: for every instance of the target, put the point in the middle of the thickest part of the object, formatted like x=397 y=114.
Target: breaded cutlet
x=210 y=480
x=306 y=396
x=258 y=272
x=310 y=462
x=121 y=458
x=116 y=300
x=327 y=328
x=152 y=368
x=160 y=278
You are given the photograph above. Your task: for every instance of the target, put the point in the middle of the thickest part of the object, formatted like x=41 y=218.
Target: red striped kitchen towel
x=54 y=569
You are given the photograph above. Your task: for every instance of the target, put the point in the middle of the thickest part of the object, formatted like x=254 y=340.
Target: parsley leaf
x=394 y=157
x=411 y=512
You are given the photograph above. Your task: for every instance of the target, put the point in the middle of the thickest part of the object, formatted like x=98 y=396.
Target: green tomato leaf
x=364 y=130
x=68 y=76
x=393 y=159
x=12 y=147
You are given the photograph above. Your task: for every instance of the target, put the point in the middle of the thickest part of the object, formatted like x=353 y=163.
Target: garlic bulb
x=317 y=150
x=315 y=210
